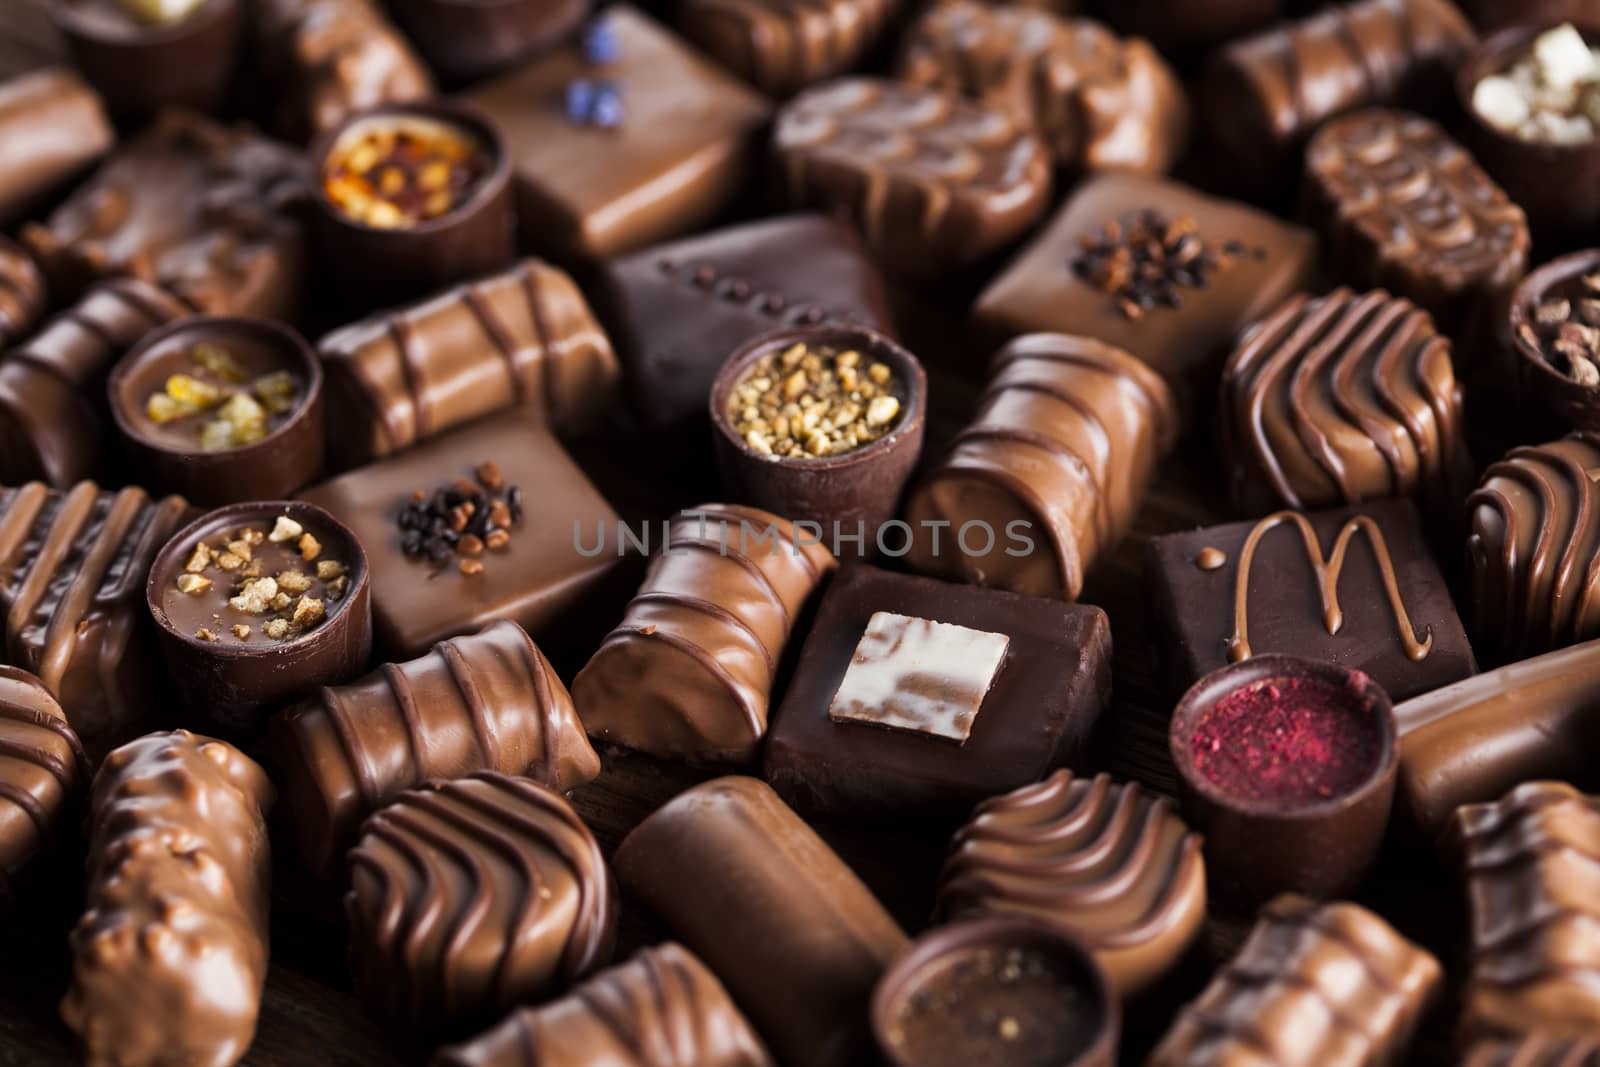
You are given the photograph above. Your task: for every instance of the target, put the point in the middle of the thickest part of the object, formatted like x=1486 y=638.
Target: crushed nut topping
x=809 y=402
x=1566 y=330
x=394 y=176
x=287 y=602
x=465 y=518
x=240 y=415
x=1144 y=260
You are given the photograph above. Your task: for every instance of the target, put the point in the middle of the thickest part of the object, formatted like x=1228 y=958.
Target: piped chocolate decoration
x=1536 y=1050
x=42 y=770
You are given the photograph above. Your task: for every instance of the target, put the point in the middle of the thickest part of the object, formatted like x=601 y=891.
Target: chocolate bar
x=24 y=297
x=1316 y=985
x=52 y=126
x=470 y=897
x=1532 y=891
x=1067 y=437
x=522 y=338
x=782 y=48
x=42 y=769
x=488 y=701
x=795 y=936
x=171 y=952
x=1535 y=1050
x=1110 y=863
x=662 y=1008
x=467 y=42
x=933 y=181
x=73 y=565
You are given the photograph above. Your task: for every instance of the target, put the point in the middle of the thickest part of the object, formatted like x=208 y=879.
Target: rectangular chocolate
x=52 y=126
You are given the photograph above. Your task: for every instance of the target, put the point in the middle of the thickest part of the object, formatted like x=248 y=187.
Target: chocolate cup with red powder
x=1288 y=767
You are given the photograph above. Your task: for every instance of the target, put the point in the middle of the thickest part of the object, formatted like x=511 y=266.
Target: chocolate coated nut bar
x=42 y=768
x=52 y=126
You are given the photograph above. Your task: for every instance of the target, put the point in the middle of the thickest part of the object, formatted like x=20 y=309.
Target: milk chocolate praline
x=234 y=683
x=467 y=40
x=1257 y=847
x=287 y=458
x=1549 y=397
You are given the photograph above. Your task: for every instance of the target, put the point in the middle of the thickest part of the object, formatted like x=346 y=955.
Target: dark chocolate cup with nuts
x=232 y=683
x=860 y=489
x=1555 y=333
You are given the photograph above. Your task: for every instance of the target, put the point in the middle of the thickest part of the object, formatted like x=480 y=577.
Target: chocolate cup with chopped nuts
x=380 y=266
x=231 y=682
x=288 y=458
x=1553 y=183
x=1552 y=398
x=861 y=487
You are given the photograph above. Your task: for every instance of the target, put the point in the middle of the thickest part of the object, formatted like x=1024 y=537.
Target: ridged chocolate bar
x=781 y=47
x=1536 y=1050
x=52 y=126
x=42 y=768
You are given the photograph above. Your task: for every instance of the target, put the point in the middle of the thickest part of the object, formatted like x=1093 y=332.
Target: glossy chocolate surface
x=780 y=47
x=24 y=297
x=52 y=126
x=1551 y=397
x=467 y=40
x=42 y=770
x=1535 y=1050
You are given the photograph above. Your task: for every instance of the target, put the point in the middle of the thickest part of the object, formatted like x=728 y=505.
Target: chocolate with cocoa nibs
x=464 y=519
x=1144 y=259
x=1565 y=329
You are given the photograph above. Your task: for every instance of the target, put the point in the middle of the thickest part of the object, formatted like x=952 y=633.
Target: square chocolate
x=537 y=578
x=1201 y=584
x=1037 y=714
x=589 y=188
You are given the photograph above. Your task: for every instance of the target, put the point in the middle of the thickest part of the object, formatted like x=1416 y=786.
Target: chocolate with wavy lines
x=1343 y=398
x=42 y=769
x=780 y=46
x=1112 y=864
x=1067 y=436
x=1537 y=1050
x=72 y=571
x=688 y=672
x=522 y=337
x=663 y=1008
x=486 y=701
x=24 y=297
x=1532 y=865
x=1315 y=985
x=470 y=897
x=1534 y=549
x=1403 y=207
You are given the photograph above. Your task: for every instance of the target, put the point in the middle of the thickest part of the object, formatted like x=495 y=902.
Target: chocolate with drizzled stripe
x=42 y=769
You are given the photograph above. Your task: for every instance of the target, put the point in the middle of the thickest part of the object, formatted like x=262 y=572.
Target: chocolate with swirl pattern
x=1343 y=398
x=1532 y=863
x=1112 y=864
x=688 y=672
x=662 y=1008
x=1537 y=1050
x=522 y=337
x=1403 y=207
x=42 y=768
x=780 y=46
x=473 y=896
x=1534 y=549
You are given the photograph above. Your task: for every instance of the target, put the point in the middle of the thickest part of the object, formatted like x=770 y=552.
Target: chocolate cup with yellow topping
x=859 y=489
x=173 y=457
x=232 y=680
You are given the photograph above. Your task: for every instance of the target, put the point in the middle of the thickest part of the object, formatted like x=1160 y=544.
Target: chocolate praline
x=1551 y=399
x=466 y=40
x=52 y=126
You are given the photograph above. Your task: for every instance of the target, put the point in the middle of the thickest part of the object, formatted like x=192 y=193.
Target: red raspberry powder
x=1291 y=741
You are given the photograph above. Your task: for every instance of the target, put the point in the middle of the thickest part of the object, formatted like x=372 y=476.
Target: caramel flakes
x=241 y=411
x=396 y=176
x=464 y=519
x=285 y=603
x=809 y=402
x=1144 y=260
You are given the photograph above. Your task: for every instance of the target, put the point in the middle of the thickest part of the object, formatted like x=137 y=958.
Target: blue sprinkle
x=600 y=45
x=606 y=110
x=580 y=101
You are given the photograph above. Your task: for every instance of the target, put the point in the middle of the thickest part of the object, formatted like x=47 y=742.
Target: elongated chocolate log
x=72 y=571
x=488 y=701
x=42 y=767
x=780 y=47
x=1532 y=864
x=522 y=337
x=470 y=897
x=1066 y=438
x=688 y=672
x=24 y=298
x=52 y=126
x=793 y=933
x=171 y=954
x=1536 y=1050
x=660 y=1009
x=1316 y=985
x=51 y=426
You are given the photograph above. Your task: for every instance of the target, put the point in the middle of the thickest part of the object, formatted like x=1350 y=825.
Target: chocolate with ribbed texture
x=1536 y=1050
x=42 y=768
x=781 y=47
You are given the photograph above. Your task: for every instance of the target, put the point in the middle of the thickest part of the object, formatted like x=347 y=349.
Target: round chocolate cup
x=905 y=976
x=863 y=486
x=233 y=687
x=387 y=266
x=1556 y=401
x=468 y=40
x=1256 y=850
x=1554 y=184
x=287 y=459
x=140 y=70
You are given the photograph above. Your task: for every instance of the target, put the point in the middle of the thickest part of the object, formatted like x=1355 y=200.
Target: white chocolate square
x=919 y=676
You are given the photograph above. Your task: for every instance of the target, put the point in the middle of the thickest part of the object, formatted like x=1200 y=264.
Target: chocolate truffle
x=52 y=126
x=468 y=40
x=933 y=181
x=24 y=297
x=171 y=953
x=662 y=1008
x=1097 y=101
x=1353 y=586
x=470 y=897
x=1033 y=712
x=792 y=932
x=524 y=337
x=780 y=47
x=529 y=561
x=487 y=701
x=1222 y=266
x=1530 y=869
x=688 y=672
x=1535 y=1050
x=1067 y=437
x=72 y=567
x=1343 y=398
x=617 y=148
x=1534 y=532
x=1110 y=863
x=1314 y=985
x=678 y=310
x=42 y=769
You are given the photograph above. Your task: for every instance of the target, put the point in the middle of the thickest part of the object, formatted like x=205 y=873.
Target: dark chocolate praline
x=1551 y=398
x=469 y=40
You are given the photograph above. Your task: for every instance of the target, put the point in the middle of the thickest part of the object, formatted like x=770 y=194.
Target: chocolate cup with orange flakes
x=412 y=198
